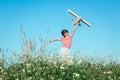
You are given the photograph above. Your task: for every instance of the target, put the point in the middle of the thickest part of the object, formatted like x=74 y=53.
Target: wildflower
x=70 y=60
x=40 y=68
x=28 y=65
x=2 y=70
x=110 y=78
x=84 y=76
x=55 y=62
x=5 y=73
x=0 y=78
x=30 y=77
x=76 y=74
x=36 y=73
x=63 y=72
x=52 y=78
x=23 y=70
x=108 y=72
x=62 y=67
x=0 y=67
x=29 y=71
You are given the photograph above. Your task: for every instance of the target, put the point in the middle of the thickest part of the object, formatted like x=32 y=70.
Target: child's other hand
x=48 y=42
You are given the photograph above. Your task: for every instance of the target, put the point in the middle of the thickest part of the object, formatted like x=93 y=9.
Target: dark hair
x=64 y=31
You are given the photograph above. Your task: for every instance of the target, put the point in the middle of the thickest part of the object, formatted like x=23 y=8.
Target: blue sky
x=38 y=16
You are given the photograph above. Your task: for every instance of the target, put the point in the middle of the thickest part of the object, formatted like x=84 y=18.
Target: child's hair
x=64 y=31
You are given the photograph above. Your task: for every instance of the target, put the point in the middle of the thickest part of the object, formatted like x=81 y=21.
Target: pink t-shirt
x=66 y=41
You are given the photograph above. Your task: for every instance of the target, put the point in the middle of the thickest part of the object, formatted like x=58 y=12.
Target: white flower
x=55 y=62
x=0 y=67
x=63 y=72
x=2 y=70
x=108 y=72
x=30 y=77
x=52 y=78
x=23 y=70
x=29 y=71
x=0 y=78
x=84 y=76
x=62 y=67
x=28 y=65
x=36 y=73
x=76 y=74
x=40 y=68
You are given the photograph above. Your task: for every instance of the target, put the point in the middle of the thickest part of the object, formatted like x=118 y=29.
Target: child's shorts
x=64 y=53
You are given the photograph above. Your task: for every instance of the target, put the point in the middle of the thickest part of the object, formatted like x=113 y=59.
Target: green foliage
x=52 y=68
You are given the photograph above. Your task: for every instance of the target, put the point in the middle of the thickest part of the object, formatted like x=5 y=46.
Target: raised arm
x=74 y=29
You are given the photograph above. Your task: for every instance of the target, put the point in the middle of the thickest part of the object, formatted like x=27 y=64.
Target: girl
x=66 y=40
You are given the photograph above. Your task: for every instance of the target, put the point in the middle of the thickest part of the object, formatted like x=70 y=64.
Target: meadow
x=38 y=64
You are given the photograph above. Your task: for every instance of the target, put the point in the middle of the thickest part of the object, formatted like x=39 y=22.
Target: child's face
x=66 y=34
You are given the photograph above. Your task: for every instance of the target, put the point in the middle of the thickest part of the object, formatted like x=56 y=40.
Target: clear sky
x=38 y=16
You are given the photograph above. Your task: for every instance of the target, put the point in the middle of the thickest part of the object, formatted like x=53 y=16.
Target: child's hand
x=48 y=42
x=77 y=24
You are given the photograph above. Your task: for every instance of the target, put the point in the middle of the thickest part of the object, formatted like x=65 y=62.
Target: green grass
x=38 y=67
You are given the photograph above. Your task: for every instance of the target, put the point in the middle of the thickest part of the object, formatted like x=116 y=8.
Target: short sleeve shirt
x=66 y=41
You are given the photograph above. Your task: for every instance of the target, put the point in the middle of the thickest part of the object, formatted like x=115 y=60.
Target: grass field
x=38 y=67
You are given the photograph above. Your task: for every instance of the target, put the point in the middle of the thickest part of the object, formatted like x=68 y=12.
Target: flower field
x=38 y=67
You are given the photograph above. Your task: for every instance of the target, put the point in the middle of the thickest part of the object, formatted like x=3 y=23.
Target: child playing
x=66 y=40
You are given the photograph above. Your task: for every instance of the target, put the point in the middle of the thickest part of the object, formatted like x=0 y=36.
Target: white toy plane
x=78 y=18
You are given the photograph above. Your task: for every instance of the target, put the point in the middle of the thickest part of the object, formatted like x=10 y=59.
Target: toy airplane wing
x=79 y=18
